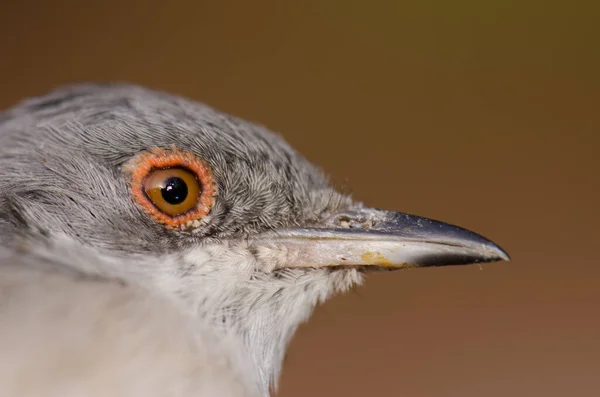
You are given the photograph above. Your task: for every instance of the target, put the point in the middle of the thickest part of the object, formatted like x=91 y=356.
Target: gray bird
x=154 y=246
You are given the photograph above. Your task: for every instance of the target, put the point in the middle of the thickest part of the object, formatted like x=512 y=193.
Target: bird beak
x=370 y=237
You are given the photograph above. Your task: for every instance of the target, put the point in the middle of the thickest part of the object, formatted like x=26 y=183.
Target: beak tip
x=495 y=253
x=503 y=254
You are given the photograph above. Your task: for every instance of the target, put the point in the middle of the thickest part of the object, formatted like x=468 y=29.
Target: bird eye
x=175 y=188
x=173 y=191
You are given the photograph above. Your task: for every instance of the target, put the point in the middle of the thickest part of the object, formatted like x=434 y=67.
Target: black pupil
x=174 y=190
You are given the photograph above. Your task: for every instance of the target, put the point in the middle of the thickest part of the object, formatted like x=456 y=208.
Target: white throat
x=224 y=288
x=261 y=309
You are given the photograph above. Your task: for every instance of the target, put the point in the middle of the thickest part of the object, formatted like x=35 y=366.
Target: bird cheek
x=231 y=260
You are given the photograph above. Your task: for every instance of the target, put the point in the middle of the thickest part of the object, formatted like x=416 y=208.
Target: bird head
x=219 y=215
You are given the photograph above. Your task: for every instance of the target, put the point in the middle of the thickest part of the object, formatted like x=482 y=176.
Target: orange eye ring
x=149 y=171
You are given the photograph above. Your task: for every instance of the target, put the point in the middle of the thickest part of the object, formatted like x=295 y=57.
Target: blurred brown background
x=480 y=113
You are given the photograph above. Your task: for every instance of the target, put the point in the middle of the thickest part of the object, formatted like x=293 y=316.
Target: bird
x=152 y=245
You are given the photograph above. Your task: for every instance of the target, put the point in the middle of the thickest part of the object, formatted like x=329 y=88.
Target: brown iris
x=175 y=188
x=173 y=191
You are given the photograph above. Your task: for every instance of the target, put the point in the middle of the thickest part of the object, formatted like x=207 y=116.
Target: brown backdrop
x=481 y=113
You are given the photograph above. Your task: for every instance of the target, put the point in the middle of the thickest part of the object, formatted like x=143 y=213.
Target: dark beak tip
x=493 y=251
x=502 y=255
